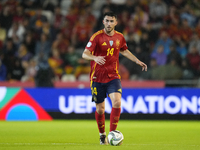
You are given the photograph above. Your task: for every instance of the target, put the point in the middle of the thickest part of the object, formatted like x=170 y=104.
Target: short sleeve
x=124 y=45
x=91 y=45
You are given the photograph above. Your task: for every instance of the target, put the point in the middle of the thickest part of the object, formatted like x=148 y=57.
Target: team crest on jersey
x=111 y=43
x=117 y=43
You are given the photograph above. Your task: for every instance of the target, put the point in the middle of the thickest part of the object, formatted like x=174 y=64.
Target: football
x=115 y=138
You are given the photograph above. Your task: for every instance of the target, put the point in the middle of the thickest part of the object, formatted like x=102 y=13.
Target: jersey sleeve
x=91 y=45
x=124 y=45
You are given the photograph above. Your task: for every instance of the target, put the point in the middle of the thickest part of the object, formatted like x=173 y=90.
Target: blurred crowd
x=43 y=40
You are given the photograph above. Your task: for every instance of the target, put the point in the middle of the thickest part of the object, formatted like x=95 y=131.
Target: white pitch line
x=64 y=144
x=45 y=144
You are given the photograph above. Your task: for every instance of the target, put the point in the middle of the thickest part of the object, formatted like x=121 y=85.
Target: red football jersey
x=101 y=44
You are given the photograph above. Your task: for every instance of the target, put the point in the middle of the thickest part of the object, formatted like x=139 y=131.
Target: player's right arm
x=88 y=56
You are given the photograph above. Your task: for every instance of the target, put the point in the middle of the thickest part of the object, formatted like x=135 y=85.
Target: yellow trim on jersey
x=92 y=74
x=117 y=71
x=118 y=32
x=95 y=34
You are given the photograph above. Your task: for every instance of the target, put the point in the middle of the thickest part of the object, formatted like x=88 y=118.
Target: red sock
x=114 y=118
x=100 y=122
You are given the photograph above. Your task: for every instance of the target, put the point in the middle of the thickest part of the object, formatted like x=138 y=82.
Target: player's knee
x=100 y=110
x=117 y=103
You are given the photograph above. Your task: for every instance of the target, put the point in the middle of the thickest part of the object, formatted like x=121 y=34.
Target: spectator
x=195 y=5
x=170 y=71
x=56 y=63
x=66 y=30
x=44 y=76
x=37 y=20
x=48 y=30
x=2 y=36
x=30 y=4
x=19 y=15
x=164 y=40
x=3 y=71
x=75 y=64
x=61 y=44
x=6 y=18
x=16 y=32
x=89 y=16
x=159 y=55
x=43 y=46
x=174 y=55
x=30 y=43
x=72 y=16
x=195 y=41
x=81 y=33
x=133 y=68
x=145 y=24
x=99 y=24
x=172 y=14
x=58 y=19
x=9 y=50
x=157 y=9
x=30 y=70
x=197 y=28
x=124 y=18
x=173 y=28
x=188 y=14
x=182 y=50
x=131 y=28
x=152 y=72
x=140 y=16
x=50 y=5
x=187 y=71
x=194 y=60
x=131 y=43
x=145 y=43
x=178 y=4
x=185 y=31
x=17 y=71
x=108 y=5
x=129 y=6
x=12 y=4
x=23 y=54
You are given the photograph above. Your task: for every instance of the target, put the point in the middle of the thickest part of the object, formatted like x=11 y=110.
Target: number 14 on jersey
x=110 y=51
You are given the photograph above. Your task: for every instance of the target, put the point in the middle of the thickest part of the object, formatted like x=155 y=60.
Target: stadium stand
x=37 y=34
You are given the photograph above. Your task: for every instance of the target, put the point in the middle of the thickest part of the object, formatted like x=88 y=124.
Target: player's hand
x=100 y=60
x=143 y=65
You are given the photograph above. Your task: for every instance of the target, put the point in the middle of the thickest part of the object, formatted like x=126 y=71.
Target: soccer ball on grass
x=115 y=138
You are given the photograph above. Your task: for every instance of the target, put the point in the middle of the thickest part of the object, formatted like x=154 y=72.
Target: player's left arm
x=133 y=58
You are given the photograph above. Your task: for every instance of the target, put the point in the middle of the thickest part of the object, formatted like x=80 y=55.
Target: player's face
x=109 y=23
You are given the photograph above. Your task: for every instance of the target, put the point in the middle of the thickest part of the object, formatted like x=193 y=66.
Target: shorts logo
x=120 y=90
x=94 y=98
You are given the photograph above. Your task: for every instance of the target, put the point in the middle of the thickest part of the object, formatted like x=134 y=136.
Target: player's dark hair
x=110 y=13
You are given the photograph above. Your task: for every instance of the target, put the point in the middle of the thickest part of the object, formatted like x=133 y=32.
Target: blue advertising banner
x=134 y=101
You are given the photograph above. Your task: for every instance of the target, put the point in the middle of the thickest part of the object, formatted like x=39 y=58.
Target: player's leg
x=98 y=96
x=100 y=119
x=116 y=110
x=114 y=90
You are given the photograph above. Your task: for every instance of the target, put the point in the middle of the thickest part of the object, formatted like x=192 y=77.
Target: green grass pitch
x=83 y=135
